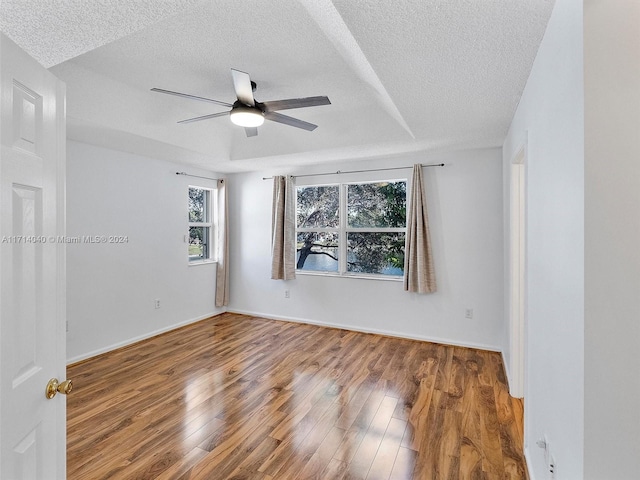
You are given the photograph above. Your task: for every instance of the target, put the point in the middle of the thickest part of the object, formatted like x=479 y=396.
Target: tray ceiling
x=402 y=76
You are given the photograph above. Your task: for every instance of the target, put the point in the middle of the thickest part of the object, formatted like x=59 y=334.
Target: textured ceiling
x=402 y=76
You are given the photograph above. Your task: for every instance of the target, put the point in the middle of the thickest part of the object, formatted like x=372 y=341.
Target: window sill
x=384 y=278
x=202 y=262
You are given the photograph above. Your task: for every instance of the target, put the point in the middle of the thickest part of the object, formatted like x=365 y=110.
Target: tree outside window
x=356 y=228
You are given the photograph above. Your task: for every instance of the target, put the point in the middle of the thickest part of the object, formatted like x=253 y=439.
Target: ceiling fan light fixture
x=245 y=116
x=248 y=113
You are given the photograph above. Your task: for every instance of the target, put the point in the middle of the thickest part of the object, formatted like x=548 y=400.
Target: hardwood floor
x=237 y=397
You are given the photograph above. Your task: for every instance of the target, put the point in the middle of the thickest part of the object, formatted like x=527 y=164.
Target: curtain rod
x=339 y=172
x=196 y=176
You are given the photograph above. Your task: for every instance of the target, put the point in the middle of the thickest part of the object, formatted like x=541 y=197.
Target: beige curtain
x=283 y=229
x=222 y=272
x=419 y=273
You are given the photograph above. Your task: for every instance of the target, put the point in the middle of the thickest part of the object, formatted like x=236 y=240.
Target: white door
x=32 y=266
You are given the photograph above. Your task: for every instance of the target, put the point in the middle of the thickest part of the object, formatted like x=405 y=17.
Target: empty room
x=320 y=239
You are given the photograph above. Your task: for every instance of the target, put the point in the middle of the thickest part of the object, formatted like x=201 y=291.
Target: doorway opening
x=517 y=269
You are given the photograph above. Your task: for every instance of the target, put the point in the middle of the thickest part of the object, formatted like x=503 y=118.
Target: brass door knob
x=53 y=387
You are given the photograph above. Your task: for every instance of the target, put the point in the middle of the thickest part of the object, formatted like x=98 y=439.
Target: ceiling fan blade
x=204 y=117
x=242 y=85
x=192 y=97
x=293 y=122
x=295 y=103
x=251 y=131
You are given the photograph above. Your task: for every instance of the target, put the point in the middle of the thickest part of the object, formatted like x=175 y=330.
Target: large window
x=200 y=224
x=352 y=229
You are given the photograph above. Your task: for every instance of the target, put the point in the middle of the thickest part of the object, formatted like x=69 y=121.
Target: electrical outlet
x=468 y=313
x=552 y=468
x=67 y=325
x=157 y=304
x=287 y=294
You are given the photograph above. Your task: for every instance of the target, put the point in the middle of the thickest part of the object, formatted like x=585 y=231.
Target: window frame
x=343 y=230
x=209 y=223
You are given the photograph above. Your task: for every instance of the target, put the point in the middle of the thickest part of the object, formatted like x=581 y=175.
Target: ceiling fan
x=247 y=112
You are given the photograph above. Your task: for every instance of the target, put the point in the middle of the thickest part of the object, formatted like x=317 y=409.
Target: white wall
x=612 y=239
x=465 y=205
x=112 y=287
x=551 y=112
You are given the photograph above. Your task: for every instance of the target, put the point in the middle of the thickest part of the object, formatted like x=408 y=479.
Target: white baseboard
x=506 y=367
x=525 y=449
x=528 y=462
x=129 y=341
x=507 y=372
x=388 y=333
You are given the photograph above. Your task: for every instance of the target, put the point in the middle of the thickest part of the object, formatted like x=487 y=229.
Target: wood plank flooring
x=237 y=397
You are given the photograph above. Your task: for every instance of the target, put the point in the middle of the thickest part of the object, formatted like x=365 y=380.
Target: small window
x=352 y=229
x=200 y=224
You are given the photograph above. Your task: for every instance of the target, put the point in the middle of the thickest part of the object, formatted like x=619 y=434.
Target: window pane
x=317 y=251
x=198 y=205
x=381 y=253
x=198 y=243
x=318 y=206
x=377 y=205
